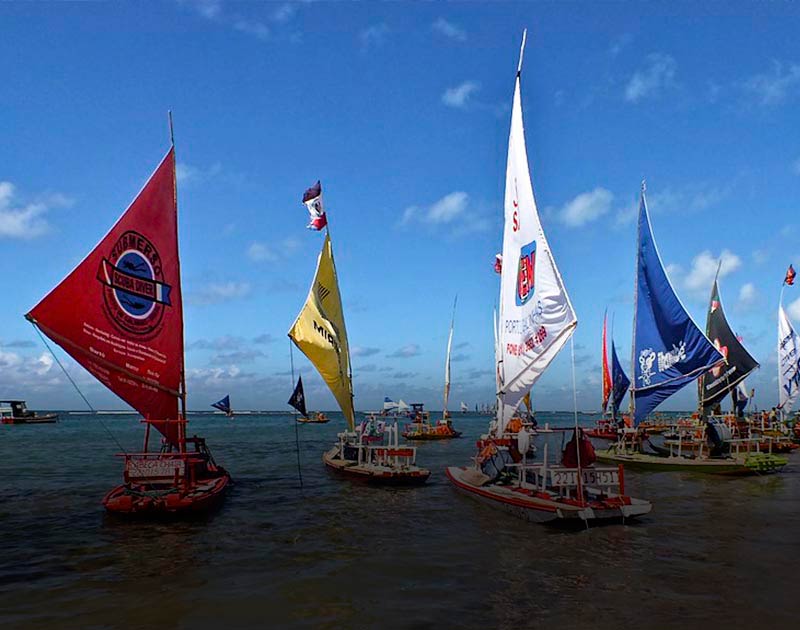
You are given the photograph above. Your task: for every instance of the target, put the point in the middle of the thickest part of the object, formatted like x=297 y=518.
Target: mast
x=182 y=418
x=632 y=406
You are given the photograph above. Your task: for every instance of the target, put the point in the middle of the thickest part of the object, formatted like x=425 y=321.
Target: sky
x=402 y=110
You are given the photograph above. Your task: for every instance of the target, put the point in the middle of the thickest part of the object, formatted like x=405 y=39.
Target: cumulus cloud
x=374 y=35
x=410 y=350
x=748 y=294
x=216 y=292
x=460 y=95
x=264 y=339
x=449 y=30
x=215 y=11
x=445 y=210
x=586 y=207
x=26 y=220
x=793 y=309
x=362 y=351
x=701 y=274
x=657 y=74
x=774 y=87
x=259 y=252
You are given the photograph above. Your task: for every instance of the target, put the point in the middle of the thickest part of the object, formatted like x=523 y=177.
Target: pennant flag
x=790 y=274
x=298 y=399
x=313 y=201
x=498 y=263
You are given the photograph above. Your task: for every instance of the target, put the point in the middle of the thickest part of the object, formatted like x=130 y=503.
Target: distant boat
x=320 y=333
x=464 y=408
x=535 y=321
x=119 y=314
x=224 y=405
x=421 y=428
x=15 y=412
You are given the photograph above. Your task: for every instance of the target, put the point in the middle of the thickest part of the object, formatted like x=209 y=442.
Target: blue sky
x=402 y=110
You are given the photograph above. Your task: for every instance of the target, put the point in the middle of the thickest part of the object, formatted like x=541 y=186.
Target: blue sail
x=223 y=405
x=670 y=351
x=619 y=381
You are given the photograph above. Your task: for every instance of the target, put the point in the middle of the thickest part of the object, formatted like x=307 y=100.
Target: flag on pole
x=498 y=263
x=313 y=201
x=790 y=274
x=298 y=399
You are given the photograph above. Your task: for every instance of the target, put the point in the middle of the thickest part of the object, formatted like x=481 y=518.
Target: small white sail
x=536 y=315
x=447 y=361
x=788 y=363
x=402 y=405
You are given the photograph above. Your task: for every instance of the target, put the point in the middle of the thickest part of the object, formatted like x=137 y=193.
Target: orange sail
x=607 y=385
x=120 y=314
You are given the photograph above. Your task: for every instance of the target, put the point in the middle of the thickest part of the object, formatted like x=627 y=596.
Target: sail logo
x=647 y=359
x=322 y=291
x=651 y=362
x=723 y=350
x=525 y=273
x=134 y=291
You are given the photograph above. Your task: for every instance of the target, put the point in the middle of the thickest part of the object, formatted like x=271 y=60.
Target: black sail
x=717 y=382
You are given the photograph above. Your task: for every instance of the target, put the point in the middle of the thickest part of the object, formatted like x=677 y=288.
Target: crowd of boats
x=119 y=314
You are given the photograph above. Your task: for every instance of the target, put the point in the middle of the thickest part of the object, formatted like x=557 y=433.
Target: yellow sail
x=319 y=332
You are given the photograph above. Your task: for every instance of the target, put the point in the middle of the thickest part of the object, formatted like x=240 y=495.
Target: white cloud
x=284 y=12
x=26 y=220
x=460 y=95
x=673 y=201
x=704 y=267
x=252 y=27
x=586 y=207
x=362 y=351
x=259 y=252
x=793 y=309
x=187 y=174
x=410 y=350
x=216 y=292
x=748 y=295
x=215 y=11
x=445 y=210
x=658 y=73
x=449 y=30
x=374 y=35
x=773 y=88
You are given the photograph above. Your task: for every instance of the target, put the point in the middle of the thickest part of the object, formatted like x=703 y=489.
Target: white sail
x=536 y=316
x=788 y=363
x=402 y=405
x=464 y=408
x=447 y=361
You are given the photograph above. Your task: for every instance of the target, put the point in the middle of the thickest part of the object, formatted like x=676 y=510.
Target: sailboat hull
x=755 y=464
x=373 y=473
x=539 y=508
x=141 y=500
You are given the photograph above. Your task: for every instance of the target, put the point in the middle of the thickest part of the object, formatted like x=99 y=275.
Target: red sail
x=607 y=386
x=120 y=314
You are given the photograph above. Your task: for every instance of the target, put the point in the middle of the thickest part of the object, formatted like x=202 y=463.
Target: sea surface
x=337 y=554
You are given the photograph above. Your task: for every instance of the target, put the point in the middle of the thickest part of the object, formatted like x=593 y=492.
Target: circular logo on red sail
x=134 y=291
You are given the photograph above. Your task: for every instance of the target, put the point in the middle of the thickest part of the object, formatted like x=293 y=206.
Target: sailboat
x=224 y=405
x=119 y=314
x=320 y=333
x=669 y=351
x=606 y=427
x=535 y=321
x=464 y=408
x=421 y=428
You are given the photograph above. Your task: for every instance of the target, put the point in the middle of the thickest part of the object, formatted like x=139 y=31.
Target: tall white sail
x=788 y=363
x=536 y=315
x=447 y=361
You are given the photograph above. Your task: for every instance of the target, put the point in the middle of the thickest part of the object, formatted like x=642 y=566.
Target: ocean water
x=338 y=554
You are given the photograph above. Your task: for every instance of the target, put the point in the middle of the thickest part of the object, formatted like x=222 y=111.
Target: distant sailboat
x=615 y=386
x=421 y=428
x=669 y=351
x=464 y=408
x=535 y=321
x=224 y=405
x=320 y=333
x=119 y=314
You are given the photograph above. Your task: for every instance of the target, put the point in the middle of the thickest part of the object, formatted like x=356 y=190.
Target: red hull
x=601 y=434
x=136 y=500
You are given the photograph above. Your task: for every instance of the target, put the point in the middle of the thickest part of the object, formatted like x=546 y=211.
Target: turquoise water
x=344 y=555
